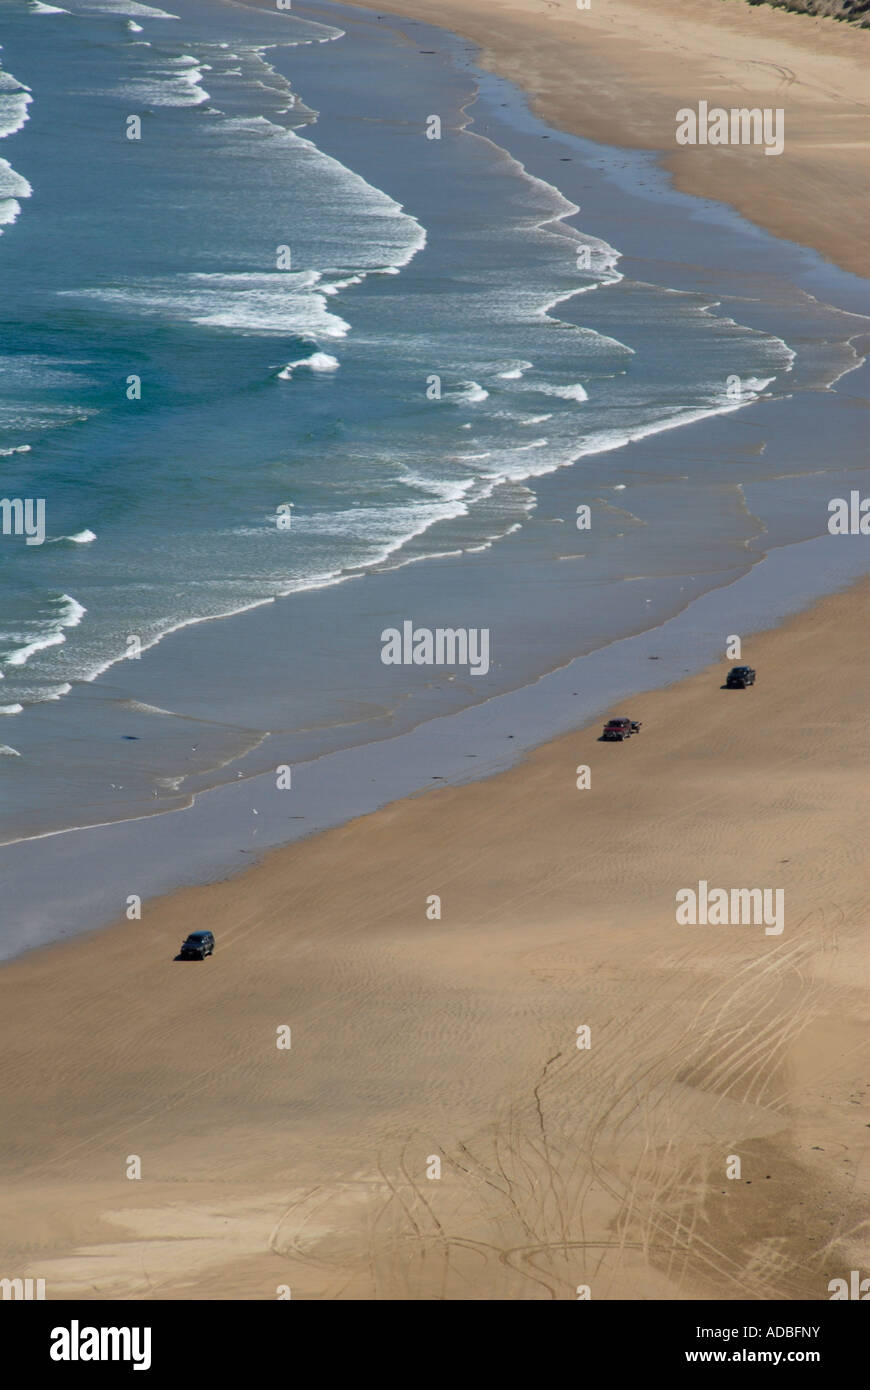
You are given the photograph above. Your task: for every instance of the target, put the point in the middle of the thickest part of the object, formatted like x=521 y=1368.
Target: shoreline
x=156 y=855
x=608 y=73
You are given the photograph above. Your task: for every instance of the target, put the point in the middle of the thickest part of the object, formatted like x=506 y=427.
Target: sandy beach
x=461 y=1048
x=456 y=1039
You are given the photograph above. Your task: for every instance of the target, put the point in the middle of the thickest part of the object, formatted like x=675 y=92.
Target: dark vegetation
x=852 y=11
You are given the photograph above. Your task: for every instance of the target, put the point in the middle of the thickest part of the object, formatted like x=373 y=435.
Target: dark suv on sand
x=739 y=677
x=197 y=946
x=620 y=728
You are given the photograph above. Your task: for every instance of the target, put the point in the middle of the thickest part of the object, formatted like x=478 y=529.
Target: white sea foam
x=470 y=393
x=266 y=301
x=576 y=392
x=750 y=388
x=429 y=555
x=11 y=709
x=515 y=371
x=38 y=644
x=344 y=284
x=12 y=187
x=317 y=362
x=388 y=530
x=392 y=531
x=141 y=707
x=12 y=184
x=52 y=635
x=286 y=302
x=167 y=87
x=6 y=751
x=544 y=456
x=14 y=101
x=608 y=440
x=133 y=27
x=80 y=538
x=37 y=7
x=18 y=449
x=388 y=237
x=603 y=257
x=127 y=7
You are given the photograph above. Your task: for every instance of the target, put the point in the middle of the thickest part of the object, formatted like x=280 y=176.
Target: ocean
x=344 y=336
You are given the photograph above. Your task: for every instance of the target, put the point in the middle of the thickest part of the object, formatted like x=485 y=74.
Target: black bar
x=251 y=1339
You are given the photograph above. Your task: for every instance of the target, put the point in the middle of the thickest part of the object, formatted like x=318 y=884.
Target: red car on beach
x=619 y=728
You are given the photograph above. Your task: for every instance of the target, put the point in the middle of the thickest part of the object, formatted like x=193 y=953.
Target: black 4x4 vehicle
x=197 y=946
x=739 y=677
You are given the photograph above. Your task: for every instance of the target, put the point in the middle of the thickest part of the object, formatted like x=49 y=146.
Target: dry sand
x=456 y=1038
